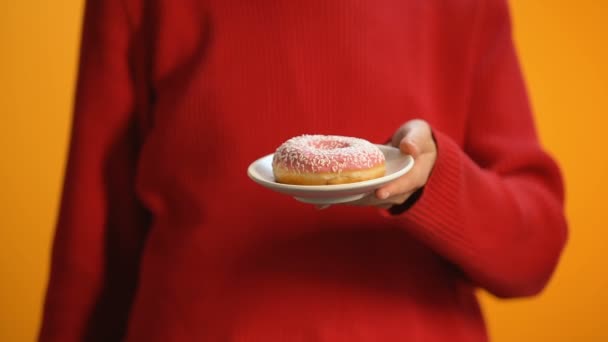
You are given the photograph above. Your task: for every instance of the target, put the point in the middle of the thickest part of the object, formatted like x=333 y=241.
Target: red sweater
x=162 y=237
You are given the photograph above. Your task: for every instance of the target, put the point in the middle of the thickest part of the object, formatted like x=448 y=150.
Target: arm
x=494 y=207
x=101 y=226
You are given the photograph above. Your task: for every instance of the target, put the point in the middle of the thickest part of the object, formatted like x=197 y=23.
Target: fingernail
x=383 y=195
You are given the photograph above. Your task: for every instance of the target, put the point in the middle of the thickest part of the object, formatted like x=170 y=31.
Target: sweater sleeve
x=494 y=207
x=101 y=225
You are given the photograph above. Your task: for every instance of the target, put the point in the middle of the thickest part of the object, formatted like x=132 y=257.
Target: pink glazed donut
x=327 y=159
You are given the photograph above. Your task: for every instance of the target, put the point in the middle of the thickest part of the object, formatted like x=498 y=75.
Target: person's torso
x=222 y=83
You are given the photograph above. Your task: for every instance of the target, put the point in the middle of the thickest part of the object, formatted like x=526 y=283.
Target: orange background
x=564 y=52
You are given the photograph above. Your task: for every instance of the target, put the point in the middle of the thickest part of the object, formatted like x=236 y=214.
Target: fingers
x=372 y=200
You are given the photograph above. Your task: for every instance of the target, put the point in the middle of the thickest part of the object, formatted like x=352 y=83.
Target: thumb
x=408 y=145
x=411 y=137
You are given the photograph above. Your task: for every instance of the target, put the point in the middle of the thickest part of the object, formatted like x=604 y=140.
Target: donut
x=326 y=160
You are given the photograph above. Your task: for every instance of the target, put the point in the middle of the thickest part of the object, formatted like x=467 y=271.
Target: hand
x=414 y=138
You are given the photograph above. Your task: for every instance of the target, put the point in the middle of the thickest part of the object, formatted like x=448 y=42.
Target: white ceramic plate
x=397 y=164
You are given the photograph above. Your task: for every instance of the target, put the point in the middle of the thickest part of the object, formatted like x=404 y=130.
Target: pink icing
x=327 y=153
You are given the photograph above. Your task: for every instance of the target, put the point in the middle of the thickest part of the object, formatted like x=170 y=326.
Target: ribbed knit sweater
x=162 y=237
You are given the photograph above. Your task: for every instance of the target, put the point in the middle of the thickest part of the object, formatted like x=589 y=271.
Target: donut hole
x=328 y=144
